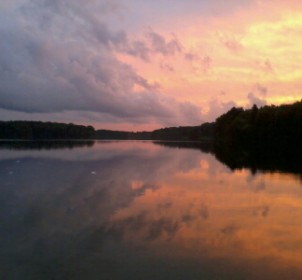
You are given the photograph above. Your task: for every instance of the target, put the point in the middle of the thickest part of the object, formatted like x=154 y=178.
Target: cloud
x=230 y=229
x=204 y=211
x=257 y=96
x=267 y=67
x=139 y=49
x=191 y=57
x=262 y=211
x=60 y=56
x=203 y=63
x=233 y=45
x=163 y=225
x=262 y=90
x=216 y=108
x=206 y=63
x=230 y=42
x=166 y=67
x=254 y=99
x=162 y=46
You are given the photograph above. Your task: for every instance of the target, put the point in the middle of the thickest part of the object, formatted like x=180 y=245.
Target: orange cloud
x=233 y=53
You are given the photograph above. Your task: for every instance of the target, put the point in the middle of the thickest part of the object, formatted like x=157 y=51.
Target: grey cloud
x=68 y=64
x=254 y=99
x=142 y=222
x=133 y=223
x=262 y=90
x=164 y=206
x=160 y=45
x=262 y=211
x=138 y=49
x=259 y=186
x=188 y=218
x=166 y=67
x=257 y=95
x=230 y=229
x=163 y=225
x=230 y=43
x=233 y=45
x=204 y=62
x=191 y=57
x=216 y=108
x=204 y=211
x=152 y=43
x=267 y=66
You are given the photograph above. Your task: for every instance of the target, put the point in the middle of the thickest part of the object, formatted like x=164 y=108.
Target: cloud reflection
x=146 y=204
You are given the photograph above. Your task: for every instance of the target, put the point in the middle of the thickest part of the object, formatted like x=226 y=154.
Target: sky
x=141 y=65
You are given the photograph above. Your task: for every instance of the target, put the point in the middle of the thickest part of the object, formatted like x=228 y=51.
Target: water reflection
x=236 y=157
x=44 y=144
x=137 y=210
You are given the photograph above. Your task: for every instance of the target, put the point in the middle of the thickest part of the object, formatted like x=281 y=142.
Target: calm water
x=139 y=210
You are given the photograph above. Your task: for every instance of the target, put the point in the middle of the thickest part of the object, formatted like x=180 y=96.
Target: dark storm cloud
x=58 y=56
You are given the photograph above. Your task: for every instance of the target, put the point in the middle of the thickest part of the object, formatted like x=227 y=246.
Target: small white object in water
x=93 y=172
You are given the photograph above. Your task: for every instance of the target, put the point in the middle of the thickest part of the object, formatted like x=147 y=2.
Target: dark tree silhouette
x=32 y=130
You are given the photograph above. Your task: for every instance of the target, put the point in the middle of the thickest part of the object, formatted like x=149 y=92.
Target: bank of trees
x=202 y=132
x=33 y=130
x=265 y=127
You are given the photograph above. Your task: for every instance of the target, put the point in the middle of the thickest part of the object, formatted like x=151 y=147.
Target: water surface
x=140 y=210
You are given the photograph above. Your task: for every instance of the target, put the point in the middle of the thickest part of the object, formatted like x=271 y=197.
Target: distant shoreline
x=271 y=127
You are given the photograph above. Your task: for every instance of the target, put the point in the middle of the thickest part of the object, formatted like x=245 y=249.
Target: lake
x=144 y=210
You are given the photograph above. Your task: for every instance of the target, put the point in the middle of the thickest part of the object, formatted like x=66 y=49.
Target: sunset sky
x=141 y=65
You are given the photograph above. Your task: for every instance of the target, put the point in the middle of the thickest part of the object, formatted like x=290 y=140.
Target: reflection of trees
x=266 y=138
x=253 y=158
x=202 y=146
x=45 y=145
x=259 y=159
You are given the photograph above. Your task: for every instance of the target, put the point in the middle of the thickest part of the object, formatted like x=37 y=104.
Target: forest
x=202 y=132
x=35 y=130
x=267 y=127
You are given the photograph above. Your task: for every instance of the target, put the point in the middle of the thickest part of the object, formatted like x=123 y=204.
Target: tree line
x=259 y=128
x=265 y=127
x=35 y=130
x=203 y=132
